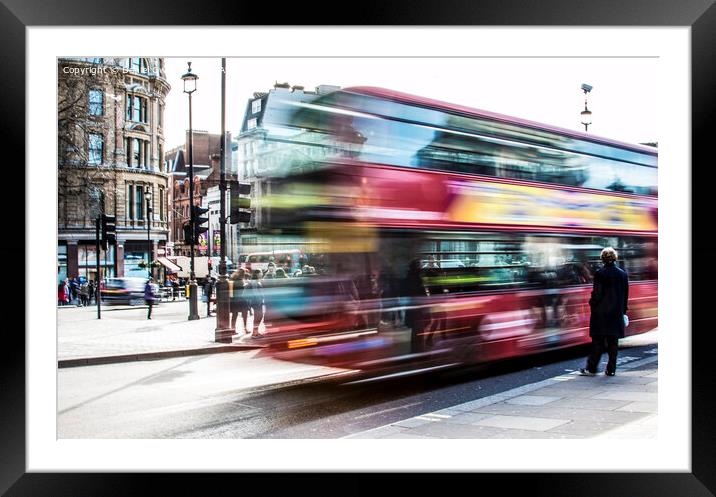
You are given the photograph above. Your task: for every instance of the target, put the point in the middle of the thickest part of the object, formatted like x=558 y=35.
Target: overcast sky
x=624 y=101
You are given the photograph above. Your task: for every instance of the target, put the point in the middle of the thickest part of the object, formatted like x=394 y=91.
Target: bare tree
x=83 y=188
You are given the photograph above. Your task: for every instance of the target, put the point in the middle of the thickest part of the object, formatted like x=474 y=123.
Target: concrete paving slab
x=562 y=413
x=529 y=434
x=413 y=422
x=584 y=429
x=628 y=395
x=572 y=391
x=587 y=403
x=408 y=435
x=467 y=418
x=447 y=430
x=650 y=407
x=522 y=422
x=647 y=429
x=532 y=400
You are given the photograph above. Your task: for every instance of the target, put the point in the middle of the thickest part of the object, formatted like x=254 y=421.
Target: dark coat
x=414 y=288
x=149 y=293
x=609 y=302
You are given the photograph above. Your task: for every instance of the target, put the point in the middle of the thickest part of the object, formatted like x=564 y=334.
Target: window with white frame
x=256 y=106
x=96 y=102
x=252 y=123
x=95 y=147
x=137 y=109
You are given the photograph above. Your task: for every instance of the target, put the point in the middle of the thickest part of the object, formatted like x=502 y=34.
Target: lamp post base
x=223 y=332
x=193 y=302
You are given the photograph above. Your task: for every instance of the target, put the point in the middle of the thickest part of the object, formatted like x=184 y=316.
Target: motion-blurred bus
x=517 y=210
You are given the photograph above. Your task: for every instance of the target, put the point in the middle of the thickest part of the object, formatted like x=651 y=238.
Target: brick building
x=207 y=170
x=110 y=155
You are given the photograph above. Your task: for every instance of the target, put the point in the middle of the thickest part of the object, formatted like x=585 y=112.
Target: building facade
x=207 y=171
x=110 y=161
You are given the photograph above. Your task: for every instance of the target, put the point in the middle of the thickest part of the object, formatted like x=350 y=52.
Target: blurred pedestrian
x=208 y=292
x=415 y=318
x=91 y=291
x=238 y=306
x=74 y=291
x=253 y=293
x=149 y=296
x=436 y=321
x=350 y=298
x=608 y=304
x=281 y=273
x=84 y=293
x=388 y=290
x=270 y=271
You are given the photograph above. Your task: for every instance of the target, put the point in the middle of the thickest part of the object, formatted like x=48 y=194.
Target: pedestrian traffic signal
x=240 y=205
x=109 y=230
x=201 y=224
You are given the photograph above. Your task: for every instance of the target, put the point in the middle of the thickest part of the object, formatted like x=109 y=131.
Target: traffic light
x=240 y=205
x=109 y=230
x=201 y=224
x=187 y=233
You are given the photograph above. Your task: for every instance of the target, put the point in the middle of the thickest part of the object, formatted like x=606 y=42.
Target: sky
x=623 y=101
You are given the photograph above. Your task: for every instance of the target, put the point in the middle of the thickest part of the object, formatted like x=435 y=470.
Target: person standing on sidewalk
x=75 y=292
x=239 y=308
x=255 y=297
x=149 y=296
x=84 y=294
x=608 y=304
x=63 y=293
x=208 y=291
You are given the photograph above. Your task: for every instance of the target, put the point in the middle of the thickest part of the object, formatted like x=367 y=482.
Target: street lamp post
x=586 y=113
x=148 y=196
x=223 y=332
x=190 y=87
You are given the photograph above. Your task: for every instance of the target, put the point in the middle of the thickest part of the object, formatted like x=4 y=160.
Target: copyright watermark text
x=94 y=70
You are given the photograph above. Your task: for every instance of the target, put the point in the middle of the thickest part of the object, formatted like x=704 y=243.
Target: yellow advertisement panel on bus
x=511 y=204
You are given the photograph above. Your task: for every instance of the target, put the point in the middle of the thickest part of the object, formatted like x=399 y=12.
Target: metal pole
x=99 y=280
x=149 y=240
x=223 y=332
x=193 y=302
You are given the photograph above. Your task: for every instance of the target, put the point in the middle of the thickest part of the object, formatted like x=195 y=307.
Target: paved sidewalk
x=125 y=334
x=566 y=406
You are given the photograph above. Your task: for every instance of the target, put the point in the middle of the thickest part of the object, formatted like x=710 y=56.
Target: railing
x=167 y=294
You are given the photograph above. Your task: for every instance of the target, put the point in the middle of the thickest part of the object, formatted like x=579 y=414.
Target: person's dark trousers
x=600 y=343
x=149 y=312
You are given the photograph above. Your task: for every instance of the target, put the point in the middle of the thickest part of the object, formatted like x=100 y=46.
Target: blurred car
x=127 y=291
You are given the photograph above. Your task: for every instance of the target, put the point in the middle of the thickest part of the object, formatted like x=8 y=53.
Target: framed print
x=652 y=57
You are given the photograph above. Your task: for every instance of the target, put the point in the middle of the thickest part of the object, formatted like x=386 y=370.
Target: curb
x=151 y=356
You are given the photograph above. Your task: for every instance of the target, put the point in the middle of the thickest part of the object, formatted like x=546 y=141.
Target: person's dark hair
x=256 y=275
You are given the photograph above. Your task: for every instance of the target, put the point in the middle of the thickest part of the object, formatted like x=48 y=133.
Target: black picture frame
x=699 y=15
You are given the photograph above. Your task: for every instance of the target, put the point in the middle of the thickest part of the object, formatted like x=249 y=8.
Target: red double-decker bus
x=502 y=219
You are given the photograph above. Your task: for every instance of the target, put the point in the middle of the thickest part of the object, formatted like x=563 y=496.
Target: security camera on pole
x=190 y=87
